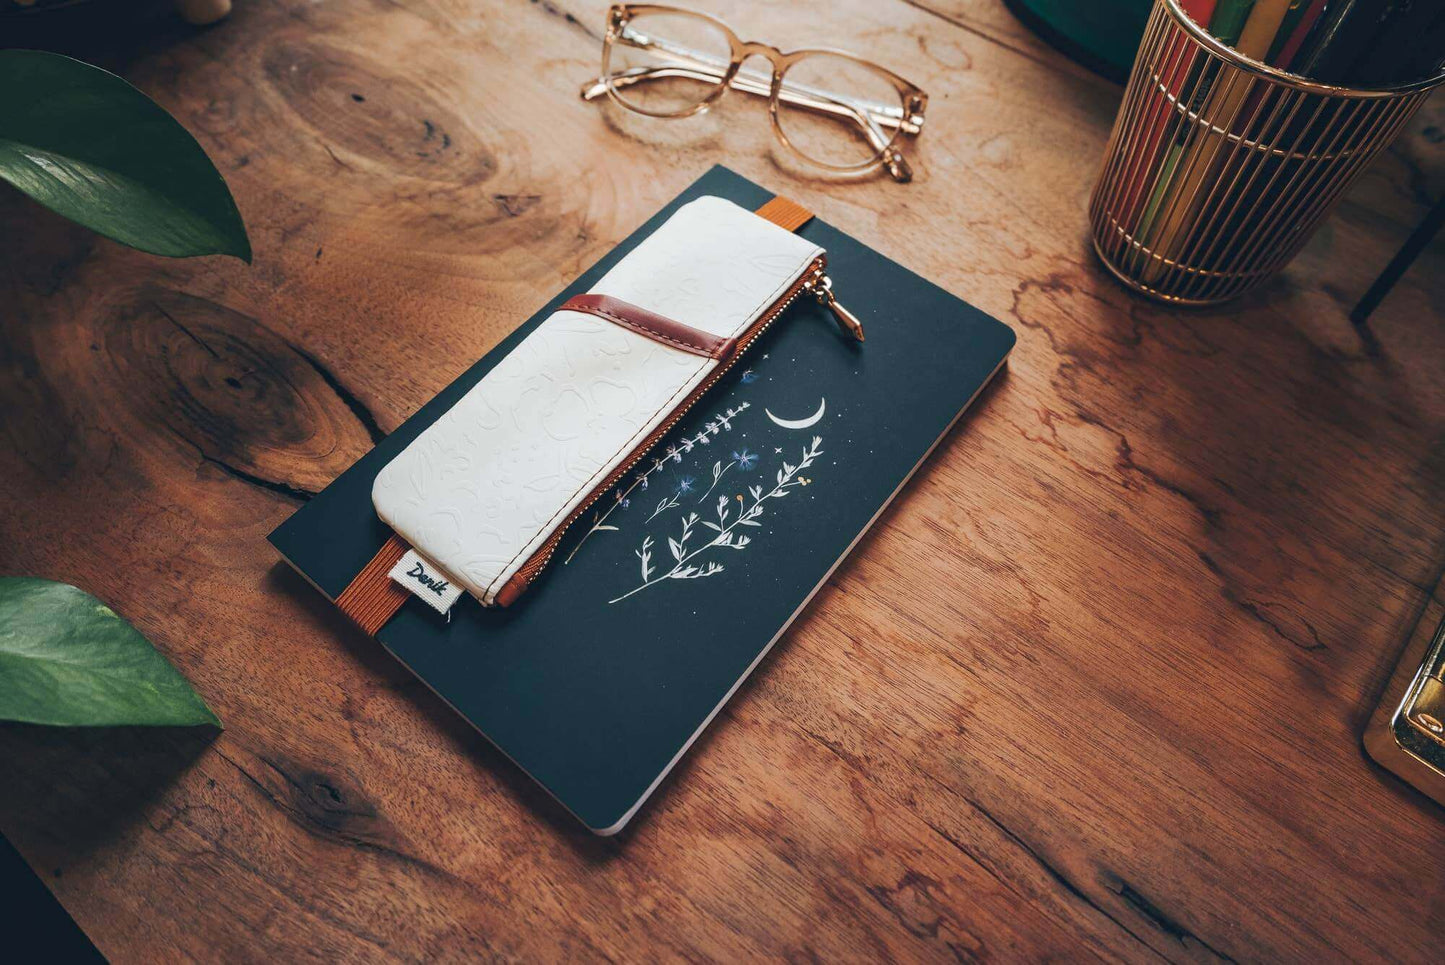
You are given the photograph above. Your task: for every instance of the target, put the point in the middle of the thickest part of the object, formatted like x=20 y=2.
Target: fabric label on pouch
x=426 y=581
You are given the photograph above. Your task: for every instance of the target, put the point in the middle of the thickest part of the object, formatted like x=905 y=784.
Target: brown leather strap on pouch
x=372 y=598
x=657 y=327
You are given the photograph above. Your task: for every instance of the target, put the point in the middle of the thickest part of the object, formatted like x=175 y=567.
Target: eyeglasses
x=828 y=107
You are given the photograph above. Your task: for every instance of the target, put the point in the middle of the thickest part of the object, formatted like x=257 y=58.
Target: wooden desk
x=1094 y=685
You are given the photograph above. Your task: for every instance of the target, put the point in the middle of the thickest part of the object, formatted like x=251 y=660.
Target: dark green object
x=1229 y=19
x=1385 y=43
x=91 y=147
x=1103 y=35
x=1341 y=36
x=66 y=659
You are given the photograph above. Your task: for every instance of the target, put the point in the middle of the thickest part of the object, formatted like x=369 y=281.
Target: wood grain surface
x=1093 y=687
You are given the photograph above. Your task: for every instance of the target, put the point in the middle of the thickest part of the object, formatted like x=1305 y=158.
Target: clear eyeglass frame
x=884 y=126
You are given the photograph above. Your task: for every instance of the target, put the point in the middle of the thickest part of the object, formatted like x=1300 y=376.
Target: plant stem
x=717 y=422
x=716 y=479
x=663 y=507
x=808 y=456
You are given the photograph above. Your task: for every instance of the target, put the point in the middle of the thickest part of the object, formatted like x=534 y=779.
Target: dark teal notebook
x=597 y=680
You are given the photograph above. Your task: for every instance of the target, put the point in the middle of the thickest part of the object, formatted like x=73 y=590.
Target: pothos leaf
x=90 y=147
x=66 y=659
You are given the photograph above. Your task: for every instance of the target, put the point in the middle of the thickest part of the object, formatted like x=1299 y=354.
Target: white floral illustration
x=685 y=553
x=621 y=498
x=744 y=460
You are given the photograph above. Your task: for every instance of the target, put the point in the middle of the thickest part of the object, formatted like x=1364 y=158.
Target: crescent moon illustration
x=800 y=423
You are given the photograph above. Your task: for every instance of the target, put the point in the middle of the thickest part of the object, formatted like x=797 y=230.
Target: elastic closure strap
x=785 y=213
x=373 y=597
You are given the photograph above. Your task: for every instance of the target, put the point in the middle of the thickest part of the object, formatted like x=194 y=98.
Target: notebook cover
x=597 y=681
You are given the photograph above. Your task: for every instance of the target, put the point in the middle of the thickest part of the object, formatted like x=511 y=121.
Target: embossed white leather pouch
x=485 y=493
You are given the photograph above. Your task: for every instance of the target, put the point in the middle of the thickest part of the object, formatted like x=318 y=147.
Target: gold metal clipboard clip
x=1408 y=736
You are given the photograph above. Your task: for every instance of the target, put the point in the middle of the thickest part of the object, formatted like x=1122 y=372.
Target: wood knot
x=328 y=801
x=247 y=401
x=361 y=110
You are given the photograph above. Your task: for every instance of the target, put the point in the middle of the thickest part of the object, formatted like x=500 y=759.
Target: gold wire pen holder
x=1220 y=167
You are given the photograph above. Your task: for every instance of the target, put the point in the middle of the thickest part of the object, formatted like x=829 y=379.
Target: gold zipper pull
x=847 y=321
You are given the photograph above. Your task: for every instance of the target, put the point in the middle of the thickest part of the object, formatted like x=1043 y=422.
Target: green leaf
x=91 y=147
x=67 y=659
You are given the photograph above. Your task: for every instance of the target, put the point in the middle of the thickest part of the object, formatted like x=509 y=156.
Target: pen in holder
x=1220 y=167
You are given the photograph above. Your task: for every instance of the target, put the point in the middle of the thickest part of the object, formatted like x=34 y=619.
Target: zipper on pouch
x=815 y=282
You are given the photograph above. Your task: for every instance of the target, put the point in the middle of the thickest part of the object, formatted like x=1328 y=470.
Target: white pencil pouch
x=480 y=500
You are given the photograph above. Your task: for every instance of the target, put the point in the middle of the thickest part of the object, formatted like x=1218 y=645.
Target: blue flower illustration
x=745 y=459
x=685 y=484
x=749 y=376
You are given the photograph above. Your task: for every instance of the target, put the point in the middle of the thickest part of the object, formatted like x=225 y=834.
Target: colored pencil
x=1177 y=63
x=1347 y=31
x=1225 y=23
x=1229 y=19
x=1298 y=22
x=1195 y=168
